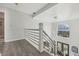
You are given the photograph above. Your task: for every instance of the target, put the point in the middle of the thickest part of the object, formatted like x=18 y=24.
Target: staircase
x=40 y=40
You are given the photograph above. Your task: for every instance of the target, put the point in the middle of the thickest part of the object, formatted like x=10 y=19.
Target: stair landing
x=20 y=48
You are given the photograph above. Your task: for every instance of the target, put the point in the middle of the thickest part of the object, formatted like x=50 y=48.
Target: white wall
x=66 y=13
x=74 y=35
x=14 y=24
x=73 y=39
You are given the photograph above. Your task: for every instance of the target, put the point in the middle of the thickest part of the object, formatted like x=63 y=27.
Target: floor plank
x=20 y=48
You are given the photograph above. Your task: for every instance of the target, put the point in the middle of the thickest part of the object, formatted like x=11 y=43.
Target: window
x=63 y=30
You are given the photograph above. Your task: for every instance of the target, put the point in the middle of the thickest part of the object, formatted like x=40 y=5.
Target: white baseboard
x=7 y=40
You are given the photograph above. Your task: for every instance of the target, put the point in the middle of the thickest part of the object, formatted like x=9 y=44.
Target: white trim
x=11 y=40
x=2 y=9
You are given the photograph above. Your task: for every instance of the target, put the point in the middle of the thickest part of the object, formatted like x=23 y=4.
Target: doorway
x=1 y=27
x=62 y=49
x=1 y=31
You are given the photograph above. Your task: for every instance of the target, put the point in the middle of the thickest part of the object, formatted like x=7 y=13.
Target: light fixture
x=34 y=12
x=16 y=3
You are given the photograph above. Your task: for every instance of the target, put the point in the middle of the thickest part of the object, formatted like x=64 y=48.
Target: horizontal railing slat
x=35 y=32
x=34 y=41
x=46 y=39
x=32 y=29
x=47 y=35
x=34 y=37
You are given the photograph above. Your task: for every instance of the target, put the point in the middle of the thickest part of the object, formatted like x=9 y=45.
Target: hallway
x=20 y=48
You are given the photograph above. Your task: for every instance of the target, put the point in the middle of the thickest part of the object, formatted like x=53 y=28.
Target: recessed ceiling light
x=34 y=12
x=55 y=17
x=16 y=3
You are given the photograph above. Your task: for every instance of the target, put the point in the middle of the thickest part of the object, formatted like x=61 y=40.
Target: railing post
x=55 y=47
x=41 y=37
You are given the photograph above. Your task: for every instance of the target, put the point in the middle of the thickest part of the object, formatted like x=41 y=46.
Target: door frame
x=62 y=47
x=3 y=11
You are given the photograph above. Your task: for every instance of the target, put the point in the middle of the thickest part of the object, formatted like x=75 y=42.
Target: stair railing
x=41 y=39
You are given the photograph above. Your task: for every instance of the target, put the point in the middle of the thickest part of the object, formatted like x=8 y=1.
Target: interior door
x=1 y=27
x=62 y=49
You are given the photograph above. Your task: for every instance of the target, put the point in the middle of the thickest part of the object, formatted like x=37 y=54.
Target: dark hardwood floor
x=19 y=48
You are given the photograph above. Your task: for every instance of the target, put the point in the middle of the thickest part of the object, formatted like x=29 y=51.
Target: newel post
x=41 y=37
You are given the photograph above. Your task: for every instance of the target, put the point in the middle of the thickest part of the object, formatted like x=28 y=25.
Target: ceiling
x=28 y=8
